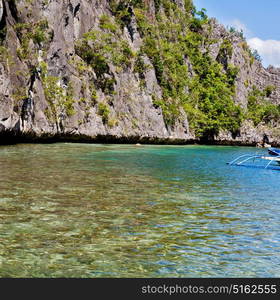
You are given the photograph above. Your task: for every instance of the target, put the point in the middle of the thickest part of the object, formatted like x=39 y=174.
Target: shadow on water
x=80 y=210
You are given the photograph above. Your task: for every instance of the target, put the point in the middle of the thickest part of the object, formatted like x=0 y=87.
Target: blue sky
x=259 y=20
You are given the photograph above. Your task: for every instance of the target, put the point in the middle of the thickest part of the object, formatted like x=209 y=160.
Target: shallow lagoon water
x=92 y=210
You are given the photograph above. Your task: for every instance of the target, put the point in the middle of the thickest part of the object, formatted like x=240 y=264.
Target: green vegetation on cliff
x=172 y=41
x=59 y=99
x=127 y=39
x=37 y=32
x=100 y=48
x=177 y=42
x=260 y=110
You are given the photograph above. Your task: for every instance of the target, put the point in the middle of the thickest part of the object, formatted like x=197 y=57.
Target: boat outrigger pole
x=249 y=160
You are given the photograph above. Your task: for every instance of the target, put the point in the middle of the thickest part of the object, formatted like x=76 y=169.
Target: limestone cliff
x=82 y=70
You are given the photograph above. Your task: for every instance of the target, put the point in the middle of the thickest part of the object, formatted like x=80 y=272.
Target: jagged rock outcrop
x=132 y=115
x=51 y=87
x=251 y=72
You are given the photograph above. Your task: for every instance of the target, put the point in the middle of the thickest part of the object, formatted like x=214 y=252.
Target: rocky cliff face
x=77 y=70
x=251 y=74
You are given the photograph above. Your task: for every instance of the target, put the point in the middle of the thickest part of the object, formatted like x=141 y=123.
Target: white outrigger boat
x=271 y=161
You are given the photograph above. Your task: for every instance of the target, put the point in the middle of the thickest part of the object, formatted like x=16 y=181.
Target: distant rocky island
x=134 y=71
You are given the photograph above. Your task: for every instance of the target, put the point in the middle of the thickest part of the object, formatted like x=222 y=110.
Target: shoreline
x=11 y=139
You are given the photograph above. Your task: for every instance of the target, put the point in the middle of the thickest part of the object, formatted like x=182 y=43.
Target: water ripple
x=78 y=210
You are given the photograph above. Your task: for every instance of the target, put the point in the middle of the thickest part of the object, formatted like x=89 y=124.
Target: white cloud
x=269 y=50
x=237 y=24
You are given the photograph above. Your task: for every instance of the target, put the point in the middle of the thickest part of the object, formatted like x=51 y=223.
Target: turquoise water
x=85 y=210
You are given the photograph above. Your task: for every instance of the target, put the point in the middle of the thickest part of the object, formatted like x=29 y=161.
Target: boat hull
x=274 y=151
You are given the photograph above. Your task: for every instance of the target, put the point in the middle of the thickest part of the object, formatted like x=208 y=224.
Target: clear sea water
x=92 y=210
